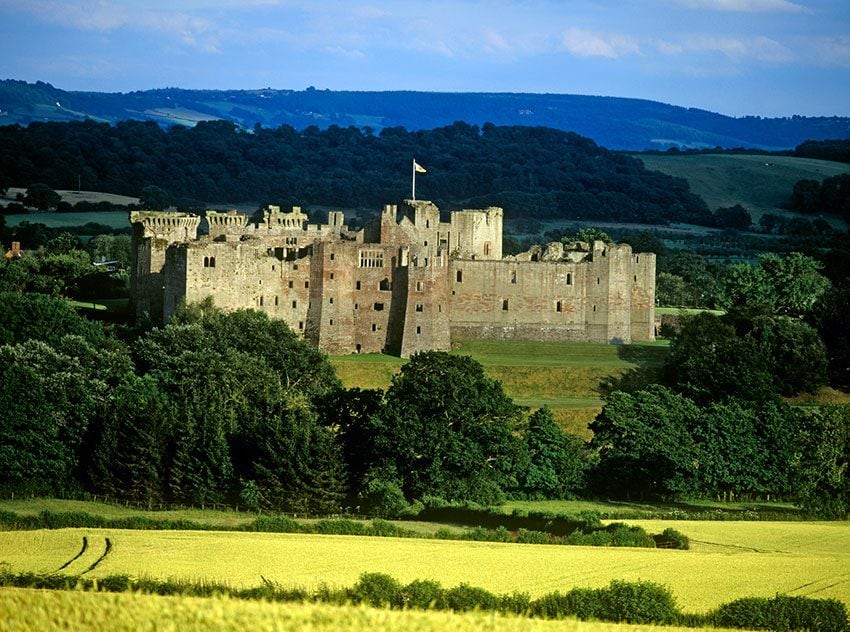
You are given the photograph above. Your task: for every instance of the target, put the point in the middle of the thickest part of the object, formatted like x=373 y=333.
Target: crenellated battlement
x=167 y=225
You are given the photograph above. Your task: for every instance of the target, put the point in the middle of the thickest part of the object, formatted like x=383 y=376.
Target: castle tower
x=153 y=233
x=477 y=234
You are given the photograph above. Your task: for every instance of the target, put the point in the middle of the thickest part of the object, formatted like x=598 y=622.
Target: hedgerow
x=620 y=601
x=585 y=533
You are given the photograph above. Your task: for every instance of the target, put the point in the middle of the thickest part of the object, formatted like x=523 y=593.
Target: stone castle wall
x=407 y=282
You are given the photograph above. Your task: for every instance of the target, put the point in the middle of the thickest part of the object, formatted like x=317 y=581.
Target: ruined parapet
x=226 y=223
x=169 y=226
x=274 y=218
x=424 y=214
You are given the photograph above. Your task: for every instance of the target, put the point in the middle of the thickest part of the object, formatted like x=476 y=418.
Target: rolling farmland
x=49 y=611
x=761 y=184
x=727 y=560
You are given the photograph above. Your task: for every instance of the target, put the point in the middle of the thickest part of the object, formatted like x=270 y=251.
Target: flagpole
x=413 y=187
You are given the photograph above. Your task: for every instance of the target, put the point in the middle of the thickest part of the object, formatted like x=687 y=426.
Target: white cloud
x=753 y=6
x=105 y=17
x=832 y=50
x=758 y=48
x=582 y=43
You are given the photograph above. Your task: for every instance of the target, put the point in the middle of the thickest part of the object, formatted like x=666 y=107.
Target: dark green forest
x=529 y=171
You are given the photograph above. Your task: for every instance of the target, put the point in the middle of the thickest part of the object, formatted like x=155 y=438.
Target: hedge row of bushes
x=616 y=534
x=561 y=523
x=620 y=601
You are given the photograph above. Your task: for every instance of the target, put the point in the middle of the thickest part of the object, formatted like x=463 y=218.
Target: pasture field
x=761 y=184
x=24 y=610
x=727 y=560
x=568 y=377
x=52 y=219
x=80 y=196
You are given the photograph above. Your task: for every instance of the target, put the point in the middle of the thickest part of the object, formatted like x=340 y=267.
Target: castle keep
x=406 y=282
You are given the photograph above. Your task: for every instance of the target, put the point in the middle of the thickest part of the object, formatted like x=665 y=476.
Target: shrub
x=341 y=526
x=637 y=602
x=783 y=612
x=528 y=536
x=423 y=594
x=515 y=603
x=481 y=534
x=377 y=589
x=551 y=606
x=624 y=535
x=444 y=533
x=274 y=524
x=114 y=583
x=386 y=529
x=671 y=539
x=465 y=597
x=584 y=603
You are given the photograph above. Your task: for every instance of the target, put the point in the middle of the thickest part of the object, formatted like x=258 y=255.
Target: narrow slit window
x=558 y=306
x=505 y=305
x=419 y=307
x=460 y=276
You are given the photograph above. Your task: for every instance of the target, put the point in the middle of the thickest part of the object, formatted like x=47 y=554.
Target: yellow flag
x=419 y=168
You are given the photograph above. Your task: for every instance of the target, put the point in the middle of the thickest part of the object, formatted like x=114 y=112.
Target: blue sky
x=764 y=57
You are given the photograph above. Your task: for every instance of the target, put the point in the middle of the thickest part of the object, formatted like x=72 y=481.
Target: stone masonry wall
x=392 y=287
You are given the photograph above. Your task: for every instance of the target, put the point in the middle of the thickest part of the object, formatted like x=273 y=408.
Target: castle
x=406 y=282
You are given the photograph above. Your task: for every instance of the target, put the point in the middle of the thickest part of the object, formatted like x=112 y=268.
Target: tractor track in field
x=737 y=547
x=77 y=556
x=107 y=550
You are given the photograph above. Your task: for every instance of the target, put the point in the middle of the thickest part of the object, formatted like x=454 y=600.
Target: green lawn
x=568 y=377
x=113 y=219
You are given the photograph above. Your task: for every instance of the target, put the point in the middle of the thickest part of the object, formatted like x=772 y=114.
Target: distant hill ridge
x=613 y=122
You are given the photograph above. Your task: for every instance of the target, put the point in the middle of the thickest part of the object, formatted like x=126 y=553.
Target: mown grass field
x=727 y=561
x=52 y=219
x=761 y=184
x=24 y=610
x=569 y=377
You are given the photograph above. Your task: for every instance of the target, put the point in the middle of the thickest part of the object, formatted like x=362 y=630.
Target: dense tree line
x=834 y=149
x=232 y=407
x=530 y=171
x=830 y=196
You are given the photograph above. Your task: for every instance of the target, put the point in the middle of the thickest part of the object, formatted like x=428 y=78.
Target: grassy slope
x=566 y=376
x=52 y=611
x=727 y=561
x=761 y=184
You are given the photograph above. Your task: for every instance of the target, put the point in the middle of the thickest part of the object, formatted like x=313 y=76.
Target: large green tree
x=557 y=462
x=48 y=401
x=823 y=485
x=448 y=430
x=645 y=445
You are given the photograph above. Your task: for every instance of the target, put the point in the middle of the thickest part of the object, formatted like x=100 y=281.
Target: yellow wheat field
x=48 y=611
x=728 y=560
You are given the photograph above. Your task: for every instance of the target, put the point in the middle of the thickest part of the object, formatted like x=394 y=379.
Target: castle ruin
x=406 y=282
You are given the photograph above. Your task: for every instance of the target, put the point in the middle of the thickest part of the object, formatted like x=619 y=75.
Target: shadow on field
x=647 y=370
